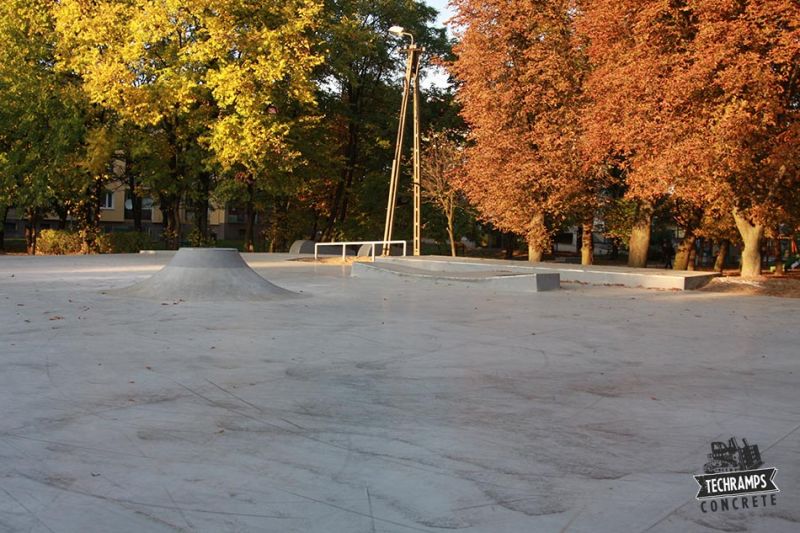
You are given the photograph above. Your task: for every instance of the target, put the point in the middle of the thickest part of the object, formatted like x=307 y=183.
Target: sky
x=441 y=6
x=435 y=76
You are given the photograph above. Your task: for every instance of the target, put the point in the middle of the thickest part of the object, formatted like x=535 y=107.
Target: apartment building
x=117 y=215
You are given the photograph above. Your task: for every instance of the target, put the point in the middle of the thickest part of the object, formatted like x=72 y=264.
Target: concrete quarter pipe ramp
x=206 y=274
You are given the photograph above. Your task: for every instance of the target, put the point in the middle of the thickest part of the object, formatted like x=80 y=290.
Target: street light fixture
x=411 y=80
x=399 y=31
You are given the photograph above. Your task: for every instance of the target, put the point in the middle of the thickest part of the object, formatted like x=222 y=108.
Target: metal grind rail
x=344 y=246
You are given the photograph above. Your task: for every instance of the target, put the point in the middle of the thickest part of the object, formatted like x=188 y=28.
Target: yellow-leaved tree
x=44 y=123
x=261 y=85
x=213 y=81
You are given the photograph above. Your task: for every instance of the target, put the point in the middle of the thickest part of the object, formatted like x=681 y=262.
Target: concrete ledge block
x=497 y=279
x=647 y=278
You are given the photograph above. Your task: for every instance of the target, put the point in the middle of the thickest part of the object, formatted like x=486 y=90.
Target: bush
x=58 y=242
x=198 y=240
x=64 y=242
x=128 y=242
x=103 y=243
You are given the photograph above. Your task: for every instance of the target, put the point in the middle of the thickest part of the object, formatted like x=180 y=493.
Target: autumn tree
x=520 y=73
x=634 y=49
x=719 y=226
x=698 y=101
x=441 y=159
x=743 y=88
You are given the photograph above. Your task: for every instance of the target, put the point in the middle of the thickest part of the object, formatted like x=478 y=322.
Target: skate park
x=140 y=395
x=466 y=266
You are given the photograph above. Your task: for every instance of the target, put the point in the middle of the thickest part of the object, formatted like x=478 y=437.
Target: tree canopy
x=572 y=112
x=688 y=103
x=520 y=73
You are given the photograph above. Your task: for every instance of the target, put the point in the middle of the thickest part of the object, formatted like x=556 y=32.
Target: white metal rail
x=344 y=246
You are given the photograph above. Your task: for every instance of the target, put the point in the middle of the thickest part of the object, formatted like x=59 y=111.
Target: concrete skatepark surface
x=382 y=405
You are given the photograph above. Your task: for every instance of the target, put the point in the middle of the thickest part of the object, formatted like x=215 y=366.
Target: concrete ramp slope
x=206 y=274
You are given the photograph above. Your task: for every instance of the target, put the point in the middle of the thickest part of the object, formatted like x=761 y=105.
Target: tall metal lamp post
x=411 y=80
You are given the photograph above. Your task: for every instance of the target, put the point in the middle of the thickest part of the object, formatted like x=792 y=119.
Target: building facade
x=116 y=214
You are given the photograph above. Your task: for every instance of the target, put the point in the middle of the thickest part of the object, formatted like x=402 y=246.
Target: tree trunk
x=537 y=239
x=136 y=200
x=587 y=242
x=201 y=219
x=277 y=221
x=89 y=218
x=692 y=259
x=201 y=206
x=31 y=231
x=509 y=243
x=63 y=213
x=249 y=227
x=640 y=236
x=30 y=238
x=250 y=219
x=166 y=214
x=279 y=224
x=451 y=234
x=535 y=252
x=683 y=254
x=176 y=224
x=752 y=235
x=314 y=227
x=177 y=169
x=272 y=232
x=719 y=264
x=327 y=233
x=3 y=218
x=170 y=208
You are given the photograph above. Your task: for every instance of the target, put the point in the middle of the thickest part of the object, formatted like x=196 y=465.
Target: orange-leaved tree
x=635 y=47
x=742 y=88
x=520 y=72
x=699 y=100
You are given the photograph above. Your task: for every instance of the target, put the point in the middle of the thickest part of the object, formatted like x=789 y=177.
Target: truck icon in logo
x=734 y=470
x=731 y=457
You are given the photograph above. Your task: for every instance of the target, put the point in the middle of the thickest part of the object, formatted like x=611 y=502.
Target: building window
x=147 y=207
x=235 y=215
x=108 y=200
